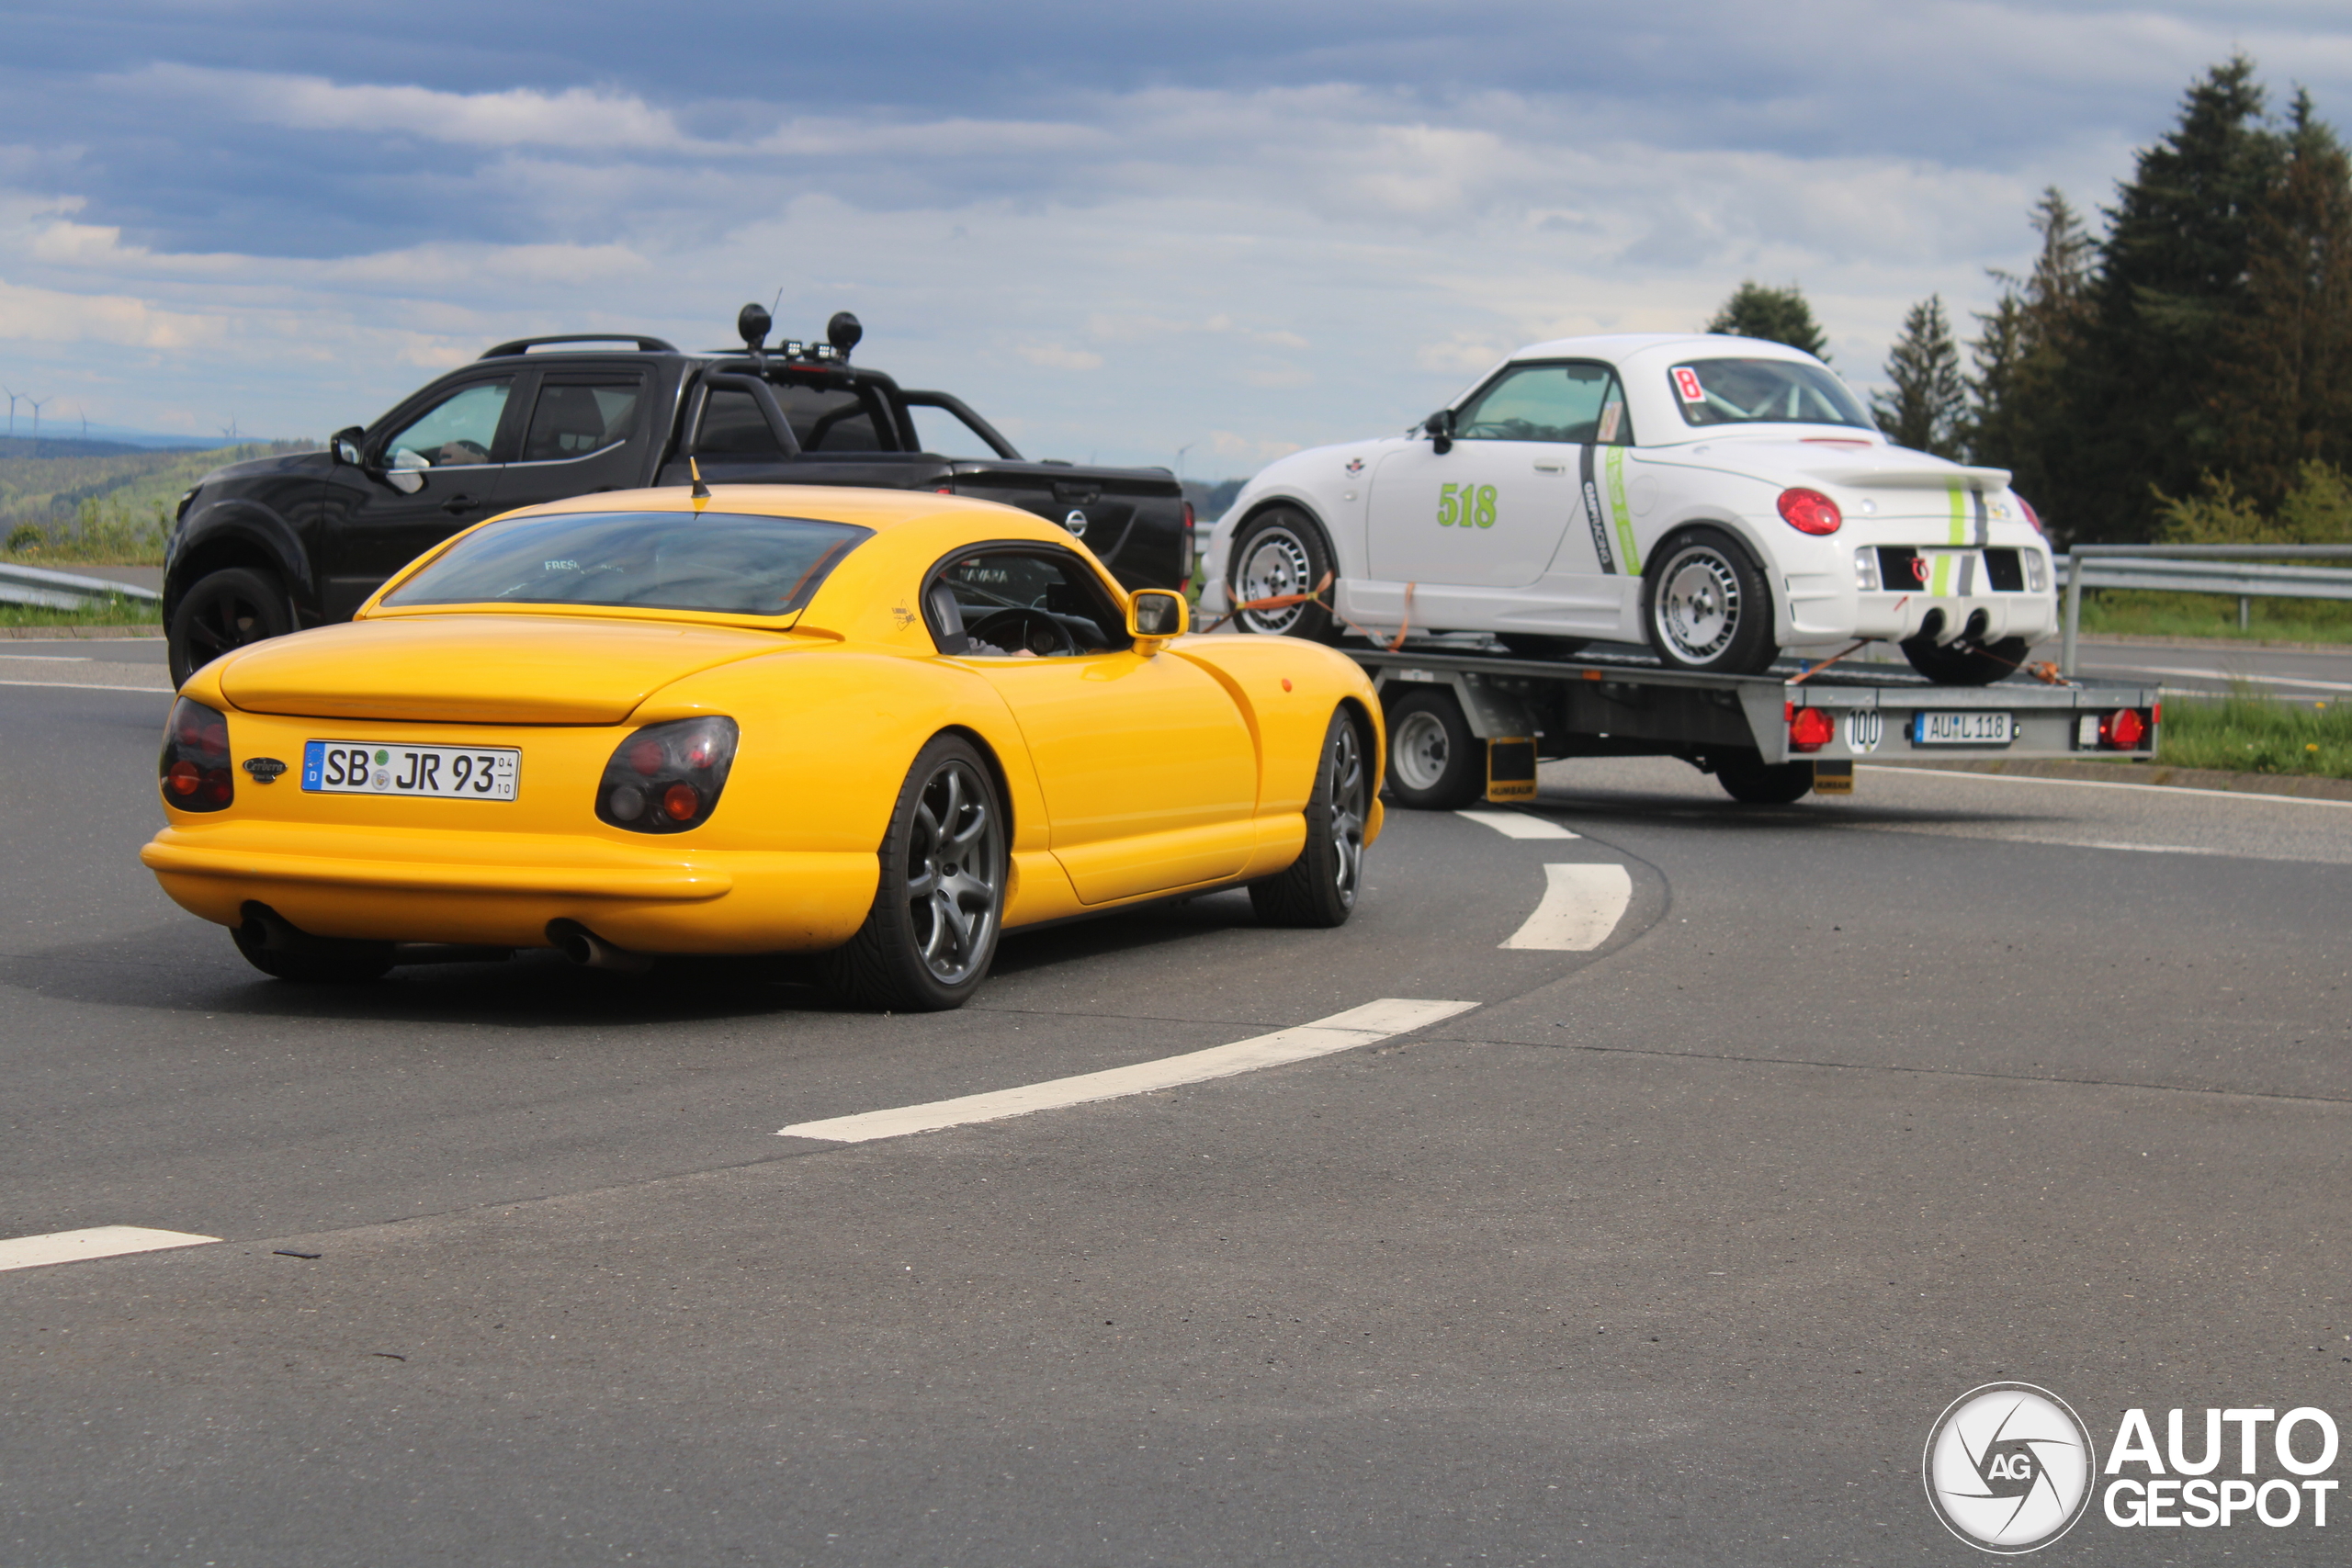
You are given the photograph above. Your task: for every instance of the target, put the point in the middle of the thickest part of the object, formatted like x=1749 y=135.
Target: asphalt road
x=1669 y=1251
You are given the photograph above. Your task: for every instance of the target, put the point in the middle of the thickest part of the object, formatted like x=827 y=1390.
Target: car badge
x=264 y=770
x=1355 y=465
x=1076 y=523
x=1920 y=568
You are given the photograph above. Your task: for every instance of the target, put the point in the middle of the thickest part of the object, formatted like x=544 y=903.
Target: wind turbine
x=37 y=407
x=12 y=410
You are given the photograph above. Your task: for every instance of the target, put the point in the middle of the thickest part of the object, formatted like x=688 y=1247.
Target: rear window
x=723 y=562
x=823 y=419
x=1762 y=391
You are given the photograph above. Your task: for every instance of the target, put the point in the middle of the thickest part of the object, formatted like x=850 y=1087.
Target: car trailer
x=1466 y=724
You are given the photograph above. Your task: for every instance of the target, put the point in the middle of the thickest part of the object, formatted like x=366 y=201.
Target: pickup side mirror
x=343 y=444
x=406 y=471
x=1440 y=426
x=1156 y=615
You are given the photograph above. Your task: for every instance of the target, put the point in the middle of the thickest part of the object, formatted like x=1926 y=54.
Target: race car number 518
x=357 y=767
x=1961 y=730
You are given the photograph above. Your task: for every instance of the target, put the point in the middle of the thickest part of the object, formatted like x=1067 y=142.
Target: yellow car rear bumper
x=388 y=885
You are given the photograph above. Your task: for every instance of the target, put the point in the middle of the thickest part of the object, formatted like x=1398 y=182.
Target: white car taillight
x=1866 y=570
x=2037 y=571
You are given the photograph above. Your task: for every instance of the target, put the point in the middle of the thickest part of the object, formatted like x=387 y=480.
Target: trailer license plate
x=1963 y=729
x=360 y=767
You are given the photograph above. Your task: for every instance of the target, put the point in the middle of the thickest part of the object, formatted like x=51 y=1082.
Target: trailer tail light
x=1184 y=579
x=2123 y=731
x=666 y=777
x=1810 y=729
x=193 y=769
x=1810 y=512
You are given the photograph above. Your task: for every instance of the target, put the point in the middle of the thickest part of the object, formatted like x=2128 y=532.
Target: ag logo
x=2009 y=1468
x=1865 y=727
x=1075 y=523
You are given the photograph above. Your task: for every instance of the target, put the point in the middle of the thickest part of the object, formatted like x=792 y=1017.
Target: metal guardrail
x=2200 y=568
x=47 y=590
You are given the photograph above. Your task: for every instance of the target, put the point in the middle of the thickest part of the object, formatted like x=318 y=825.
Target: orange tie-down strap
x=1284 y=600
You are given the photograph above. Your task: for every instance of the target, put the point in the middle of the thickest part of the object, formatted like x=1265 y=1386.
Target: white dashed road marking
x=1582 y=904
x=1517 y=825
x=1341 y=1031
x=100 y=1241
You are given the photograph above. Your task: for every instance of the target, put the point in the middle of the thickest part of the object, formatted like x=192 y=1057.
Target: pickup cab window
x=459 y=430
x=577 y=416
x=824 y=419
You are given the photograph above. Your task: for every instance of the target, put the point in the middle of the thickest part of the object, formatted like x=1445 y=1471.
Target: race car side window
x=1565 y=400
x=1012 y=602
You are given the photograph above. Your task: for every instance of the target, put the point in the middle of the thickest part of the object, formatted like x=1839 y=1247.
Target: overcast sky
x=1234 y=229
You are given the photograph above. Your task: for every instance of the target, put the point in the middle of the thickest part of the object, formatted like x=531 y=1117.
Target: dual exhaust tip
x=575 y=941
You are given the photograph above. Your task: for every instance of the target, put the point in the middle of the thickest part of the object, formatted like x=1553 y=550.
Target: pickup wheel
x=1956 y=666
x=1278 y=553
x=1748 y=778
x=1434 y=762
x=1319 y=889
x=1706 y=607
x=225 y=610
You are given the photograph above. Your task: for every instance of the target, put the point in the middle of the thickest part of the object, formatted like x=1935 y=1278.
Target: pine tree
x=1929 y=399
x=1776 y=315
x=2018 y=417
x=2171 y=275
x=2281 y=393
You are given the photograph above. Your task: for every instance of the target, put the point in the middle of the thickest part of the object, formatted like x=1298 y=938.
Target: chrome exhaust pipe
x=590 y=950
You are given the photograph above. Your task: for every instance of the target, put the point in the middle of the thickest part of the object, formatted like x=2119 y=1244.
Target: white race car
x=1720 y=498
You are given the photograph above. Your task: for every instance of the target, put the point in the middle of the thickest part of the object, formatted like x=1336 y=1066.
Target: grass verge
x=2250 y=734
x=113 y=612
x=2137 y=613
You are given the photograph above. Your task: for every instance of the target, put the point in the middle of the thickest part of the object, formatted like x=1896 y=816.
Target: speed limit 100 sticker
x=1865 y=727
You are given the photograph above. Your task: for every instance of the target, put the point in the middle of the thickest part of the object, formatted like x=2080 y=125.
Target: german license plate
x=1963 y=729
x=448 y=773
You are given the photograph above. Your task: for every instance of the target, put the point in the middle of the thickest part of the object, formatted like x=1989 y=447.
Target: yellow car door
x=1149 y=774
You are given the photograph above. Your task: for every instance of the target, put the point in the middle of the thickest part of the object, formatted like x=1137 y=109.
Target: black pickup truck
x=266 y=548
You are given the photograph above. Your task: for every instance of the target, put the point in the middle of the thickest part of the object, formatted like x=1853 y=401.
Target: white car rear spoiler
x=1926 y=479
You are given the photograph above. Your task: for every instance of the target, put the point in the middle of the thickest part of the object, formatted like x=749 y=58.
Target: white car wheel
x=1280 y=554
x=1708 y=608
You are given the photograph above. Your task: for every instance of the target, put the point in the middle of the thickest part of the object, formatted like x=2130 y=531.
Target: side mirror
x=405 y=473
x=343 y=444
x=1440 y=426
x=1156 y=615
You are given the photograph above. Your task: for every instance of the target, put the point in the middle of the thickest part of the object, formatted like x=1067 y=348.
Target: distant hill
x=1209 y=500
x=101 y=501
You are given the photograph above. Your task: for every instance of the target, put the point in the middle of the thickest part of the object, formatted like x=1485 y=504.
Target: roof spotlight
x=842 y=332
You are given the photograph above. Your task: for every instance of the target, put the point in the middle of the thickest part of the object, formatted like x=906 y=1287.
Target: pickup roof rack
x=525 y=344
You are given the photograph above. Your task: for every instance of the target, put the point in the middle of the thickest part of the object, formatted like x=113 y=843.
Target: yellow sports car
x=879 y=725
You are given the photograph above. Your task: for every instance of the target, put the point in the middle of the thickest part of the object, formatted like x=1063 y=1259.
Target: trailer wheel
x=1434 y=762
x=1955 y=666
x=1748 y=777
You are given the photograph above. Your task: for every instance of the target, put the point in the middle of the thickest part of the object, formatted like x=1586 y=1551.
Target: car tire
x=1280 y=552
x=928 y=942
x=1537 y=645
x=1434 y=762
x=1953 y=666
x=317 y=960
x=1706 y=607
x=223 y=610
x=1319 y=889
x=1746 y=778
